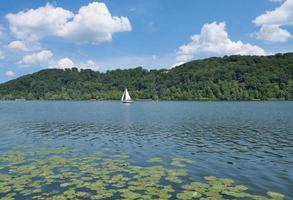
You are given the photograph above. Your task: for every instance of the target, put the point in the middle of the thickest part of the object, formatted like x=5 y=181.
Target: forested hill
x=227 y=78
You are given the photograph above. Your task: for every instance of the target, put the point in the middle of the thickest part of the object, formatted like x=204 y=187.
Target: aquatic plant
x=62 y=174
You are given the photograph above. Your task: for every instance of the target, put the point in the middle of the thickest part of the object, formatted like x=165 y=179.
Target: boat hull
x=127 y=101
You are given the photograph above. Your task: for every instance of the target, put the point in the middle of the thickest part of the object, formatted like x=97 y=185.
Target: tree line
x=227 y=78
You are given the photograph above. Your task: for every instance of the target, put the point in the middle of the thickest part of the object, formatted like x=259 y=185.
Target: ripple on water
x=248 y=142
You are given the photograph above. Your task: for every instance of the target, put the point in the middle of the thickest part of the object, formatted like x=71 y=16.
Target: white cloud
x=281 y=15
x=66 y=62
x=273 y=33
x=213 y=40
x=41 y=57
x=24 y=45
x=272 y=22
x=10 y=73
x=92 y=24
x=90 y=64
x=18 y=45
x=38 y=23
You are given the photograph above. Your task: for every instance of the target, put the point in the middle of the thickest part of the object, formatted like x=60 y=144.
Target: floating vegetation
x=180 y=162
x=63 y=174
x=155 y=160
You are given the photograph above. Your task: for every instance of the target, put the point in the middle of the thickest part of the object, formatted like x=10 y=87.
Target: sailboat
x=126 y=97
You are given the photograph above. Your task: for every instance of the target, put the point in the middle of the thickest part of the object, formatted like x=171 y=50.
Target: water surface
x=249 y=142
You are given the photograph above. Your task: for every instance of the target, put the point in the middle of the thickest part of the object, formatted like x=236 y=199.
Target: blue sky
x=105 y=35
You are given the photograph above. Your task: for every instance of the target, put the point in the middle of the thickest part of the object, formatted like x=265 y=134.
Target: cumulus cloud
x=41 y=57
x=18 y=45
x=24 y=45
x=214 y=40
x=10 y=73
x=273 y=33
x=272 y=23
x=38 y=23
x=92 y=24
x=66 y=62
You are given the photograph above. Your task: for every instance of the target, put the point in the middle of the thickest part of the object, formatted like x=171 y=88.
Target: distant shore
x=149 y=100
x=230 y=78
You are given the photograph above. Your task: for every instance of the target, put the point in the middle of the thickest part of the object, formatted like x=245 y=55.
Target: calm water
x=249 y=142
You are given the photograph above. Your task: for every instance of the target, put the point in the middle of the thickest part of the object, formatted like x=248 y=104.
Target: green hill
x=227 y=78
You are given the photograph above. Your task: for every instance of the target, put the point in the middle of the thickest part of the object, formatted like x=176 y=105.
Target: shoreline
x=142 y=100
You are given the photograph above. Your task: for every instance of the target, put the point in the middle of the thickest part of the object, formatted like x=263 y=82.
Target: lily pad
x=68 y=174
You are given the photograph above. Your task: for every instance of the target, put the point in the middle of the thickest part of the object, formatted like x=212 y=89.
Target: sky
x=110 y=34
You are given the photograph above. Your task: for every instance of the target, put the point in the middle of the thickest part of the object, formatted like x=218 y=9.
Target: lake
x=198 y=145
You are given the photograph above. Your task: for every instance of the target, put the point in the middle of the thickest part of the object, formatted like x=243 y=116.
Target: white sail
x=122 y=98
x=127 y=96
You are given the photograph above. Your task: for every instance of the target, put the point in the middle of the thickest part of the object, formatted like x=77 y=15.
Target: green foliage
x=227 y=78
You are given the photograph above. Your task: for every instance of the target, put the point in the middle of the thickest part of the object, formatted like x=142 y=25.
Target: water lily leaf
x=196 y=186
x=275 y=195
x=155 y=160
x=237 y=194
x=186 y=195
x=130 y=195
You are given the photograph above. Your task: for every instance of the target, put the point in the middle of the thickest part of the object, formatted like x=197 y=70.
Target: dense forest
x=226 y=78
